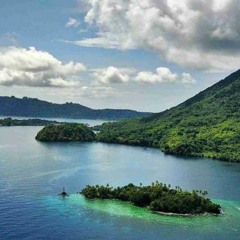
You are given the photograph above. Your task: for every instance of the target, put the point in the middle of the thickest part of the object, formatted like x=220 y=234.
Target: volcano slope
x=206 y=125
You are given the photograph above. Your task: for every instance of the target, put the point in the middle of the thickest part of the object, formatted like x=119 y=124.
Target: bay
x=33 y=173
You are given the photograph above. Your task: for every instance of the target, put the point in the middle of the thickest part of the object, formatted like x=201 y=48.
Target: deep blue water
x=33 y=173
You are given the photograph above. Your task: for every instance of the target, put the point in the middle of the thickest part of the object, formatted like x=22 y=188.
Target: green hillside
x=207 y=125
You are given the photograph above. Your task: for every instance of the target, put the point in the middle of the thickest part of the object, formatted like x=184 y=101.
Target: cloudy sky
x=147 y=55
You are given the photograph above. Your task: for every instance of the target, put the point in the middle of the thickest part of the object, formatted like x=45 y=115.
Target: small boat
x=63 y=193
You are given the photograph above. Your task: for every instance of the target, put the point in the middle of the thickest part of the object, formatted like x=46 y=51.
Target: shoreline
x=170 y=153
x=152 y=211
x=186 y=214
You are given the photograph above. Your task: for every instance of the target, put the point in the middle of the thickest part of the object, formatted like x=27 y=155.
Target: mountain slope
x=207 y=125
x=32 y=107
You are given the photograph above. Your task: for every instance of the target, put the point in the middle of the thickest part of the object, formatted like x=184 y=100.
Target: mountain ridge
x=33 y=107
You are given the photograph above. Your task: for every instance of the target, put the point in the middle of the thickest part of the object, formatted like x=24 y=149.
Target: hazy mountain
x=32 y=107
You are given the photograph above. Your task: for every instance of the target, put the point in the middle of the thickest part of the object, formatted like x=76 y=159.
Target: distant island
x=33 y=107
x=65 y=133
x=158 y=197
x=206 y=125
x=8 y=122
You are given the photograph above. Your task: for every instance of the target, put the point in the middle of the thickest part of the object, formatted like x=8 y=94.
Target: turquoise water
x=33 y=173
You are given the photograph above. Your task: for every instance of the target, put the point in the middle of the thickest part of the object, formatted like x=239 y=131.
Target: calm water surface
x=33 y=173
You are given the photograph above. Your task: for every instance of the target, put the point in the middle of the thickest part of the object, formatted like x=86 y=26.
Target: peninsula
x=9 y=122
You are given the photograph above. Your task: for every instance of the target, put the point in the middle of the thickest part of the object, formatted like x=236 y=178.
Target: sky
x=146 y=55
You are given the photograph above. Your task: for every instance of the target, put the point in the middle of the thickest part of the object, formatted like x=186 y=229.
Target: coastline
x=170 y=153
x=170 y=214
x=187 y=214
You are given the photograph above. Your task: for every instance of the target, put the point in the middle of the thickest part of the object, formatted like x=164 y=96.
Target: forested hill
x=207 y=125
x=32 y=107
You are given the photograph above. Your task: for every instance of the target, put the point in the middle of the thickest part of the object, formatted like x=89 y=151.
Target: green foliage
x=65 y=133
x=207 y=125
x=157 y=197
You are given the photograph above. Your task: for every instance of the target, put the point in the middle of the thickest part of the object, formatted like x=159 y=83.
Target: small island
x=65 y=133
x=158 y=197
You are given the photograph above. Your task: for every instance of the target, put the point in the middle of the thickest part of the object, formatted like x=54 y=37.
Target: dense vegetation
x=157 y=197
x=32 y=107
x=65 y=133
x=207 y=125
x=25 y=122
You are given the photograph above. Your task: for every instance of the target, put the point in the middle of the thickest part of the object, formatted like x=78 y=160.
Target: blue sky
x=116 y=54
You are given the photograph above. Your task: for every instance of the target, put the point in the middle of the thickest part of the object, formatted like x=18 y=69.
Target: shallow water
x=33 y=173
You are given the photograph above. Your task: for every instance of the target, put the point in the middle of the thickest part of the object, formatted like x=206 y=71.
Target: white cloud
x=9 y=38
x=96 y=42
x=72 y=22
x=31 y=67
x=201 y=34
x=111 y=75
x=187 y=78
x=164 y=75
x=97 y=92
